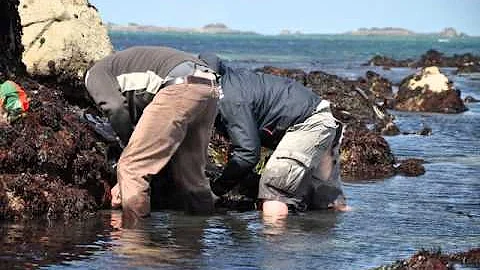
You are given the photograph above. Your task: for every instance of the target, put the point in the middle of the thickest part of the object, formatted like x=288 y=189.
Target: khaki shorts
x=304 y=169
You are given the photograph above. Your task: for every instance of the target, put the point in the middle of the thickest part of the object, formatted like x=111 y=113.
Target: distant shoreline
x=448 y=32
x=219 y=28
x=216 y=28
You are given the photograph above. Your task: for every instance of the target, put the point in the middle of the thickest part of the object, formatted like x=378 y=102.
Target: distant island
x=221 y=28
x=448 y=32
x=213 y=28
x=289 y=32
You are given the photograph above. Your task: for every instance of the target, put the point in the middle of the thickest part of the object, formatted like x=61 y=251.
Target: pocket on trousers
x=286 y=172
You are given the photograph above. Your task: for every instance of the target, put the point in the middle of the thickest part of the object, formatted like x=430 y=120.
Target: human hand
x=340 y=204
x=116 y=197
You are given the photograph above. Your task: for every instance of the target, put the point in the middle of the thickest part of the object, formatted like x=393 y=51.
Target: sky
x=307 y=16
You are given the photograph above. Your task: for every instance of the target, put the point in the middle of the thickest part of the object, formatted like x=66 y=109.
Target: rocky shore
x=52 y=164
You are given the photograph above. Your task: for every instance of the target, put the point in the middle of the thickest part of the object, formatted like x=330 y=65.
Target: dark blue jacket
x=256 y=109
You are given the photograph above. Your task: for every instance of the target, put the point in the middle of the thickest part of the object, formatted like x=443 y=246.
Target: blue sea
x=390 y=219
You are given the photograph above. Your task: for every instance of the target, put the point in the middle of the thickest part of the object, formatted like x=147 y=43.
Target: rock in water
x=428 y=91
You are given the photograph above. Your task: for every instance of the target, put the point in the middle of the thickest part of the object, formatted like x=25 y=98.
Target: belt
x=190 y=79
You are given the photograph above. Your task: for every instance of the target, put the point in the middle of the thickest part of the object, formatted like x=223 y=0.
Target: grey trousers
x=304 y=169
x=175 y=126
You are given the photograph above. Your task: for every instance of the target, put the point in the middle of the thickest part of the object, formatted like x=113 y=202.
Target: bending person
x=162 y=103
x=259 y=109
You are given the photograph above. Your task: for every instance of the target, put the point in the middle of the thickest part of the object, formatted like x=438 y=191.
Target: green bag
x=13 y=100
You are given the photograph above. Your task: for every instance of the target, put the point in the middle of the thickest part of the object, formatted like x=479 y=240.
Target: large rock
x=428 y=91
x=62 y=36
x=10 y=40
x=388 y=62
x=378 y=85
x=365 y=155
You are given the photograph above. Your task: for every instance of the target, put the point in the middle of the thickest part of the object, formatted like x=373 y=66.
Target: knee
x=275 y=209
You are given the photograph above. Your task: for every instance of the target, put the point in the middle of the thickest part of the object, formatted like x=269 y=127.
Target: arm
x=105 y=91
x=242 y=129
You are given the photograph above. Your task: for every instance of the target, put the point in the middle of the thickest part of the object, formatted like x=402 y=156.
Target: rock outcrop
x=365 y=155
x=62 y=37
x=378 y=85
x=425 y=259
x=428 y=91
x=51 y=163
x=10 y=40
x=465 y=63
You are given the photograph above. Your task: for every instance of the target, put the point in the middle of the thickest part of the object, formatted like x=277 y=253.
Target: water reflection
x=165 y=239
x=30 y=244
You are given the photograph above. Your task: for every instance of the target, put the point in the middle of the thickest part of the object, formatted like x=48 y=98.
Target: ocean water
x=390 y=218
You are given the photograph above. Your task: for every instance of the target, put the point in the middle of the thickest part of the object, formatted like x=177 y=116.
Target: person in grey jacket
x=162 y=103
x=256 y=110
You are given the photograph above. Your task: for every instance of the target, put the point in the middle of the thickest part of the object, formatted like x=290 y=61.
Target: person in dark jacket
x=161 y=103
x=259 y=109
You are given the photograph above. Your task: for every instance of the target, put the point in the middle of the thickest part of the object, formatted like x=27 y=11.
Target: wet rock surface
x=378 y=85
x=465 y=63
x=428 y=91
x=437 y=260
x=470 y=99
x=388 y=62
x=365 y=155
x=51 y=163
x=411 y=167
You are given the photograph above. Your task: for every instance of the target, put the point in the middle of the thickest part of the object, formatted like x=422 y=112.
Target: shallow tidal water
x=390 y=219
